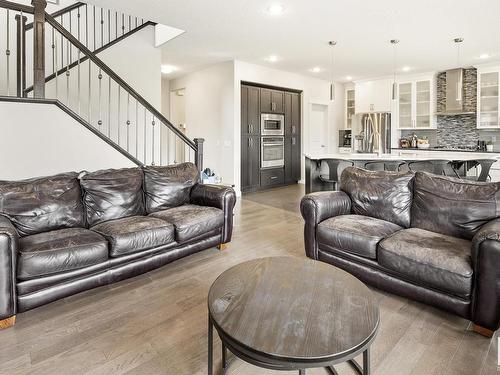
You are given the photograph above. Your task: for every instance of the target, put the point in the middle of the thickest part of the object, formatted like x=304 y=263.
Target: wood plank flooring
x=156 y=323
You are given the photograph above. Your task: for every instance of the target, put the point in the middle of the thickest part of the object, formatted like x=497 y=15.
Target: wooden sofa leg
x=483 y=331
x=223 y=246
x=7 y=323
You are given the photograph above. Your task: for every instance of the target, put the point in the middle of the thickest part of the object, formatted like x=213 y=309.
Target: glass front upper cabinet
x=488 y=100
x=350 y=109
x=415 y=104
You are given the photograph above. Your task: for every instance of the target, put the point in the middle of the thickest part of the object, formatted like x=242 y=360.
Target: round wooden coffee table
x=287 y=313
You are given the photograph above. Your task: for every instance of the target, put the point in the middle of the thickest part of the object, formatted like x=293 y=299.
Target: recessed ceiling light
x=316 y=69
x=275 y=10
x=167 y=69
x=272 y=58
x=406 y=68
x=484 y=56
x=349 y=78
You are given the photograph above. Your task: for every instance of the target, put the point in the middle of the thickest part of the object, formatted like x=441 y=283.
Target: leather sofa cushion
x=435 y=260
x=454 y=207
x=355 y=234
x=384 y=195
x=59 y=251
x=112 y=194
x=135 y=233
x=42 y=204
x=191 y=221
x=170 y=186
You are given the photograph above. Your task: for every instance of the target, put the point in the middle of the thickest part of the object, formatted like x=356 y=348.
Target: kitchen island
x=315 y=166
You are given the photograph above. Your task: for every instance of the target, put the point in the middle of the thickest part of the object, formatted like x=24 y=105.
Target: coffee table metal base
x=226 y=344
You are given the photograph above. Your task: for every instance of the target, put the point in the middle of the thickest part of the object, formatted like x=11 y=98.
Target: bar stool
x=437 y=166
x=485 y=165
x=335 y=167
x=386 y=165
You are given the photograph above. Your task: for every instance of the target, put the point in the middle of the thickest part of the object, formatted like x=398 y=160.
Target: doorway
x=178 y=118
x=318 y=128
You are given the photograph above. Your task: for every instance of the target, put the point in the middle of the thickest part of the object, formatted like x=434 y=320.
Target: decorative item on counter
x=489 y=146
x=209 y=177
x=414 y=141
x=481 y=145
x=423 y=143
x=404 y=143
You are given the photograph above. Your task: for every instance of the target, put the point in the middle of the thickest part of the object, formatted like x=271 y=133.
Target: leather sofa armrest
x=485 y=258
x=9 y=243
x=315 y=208
x=222 y=197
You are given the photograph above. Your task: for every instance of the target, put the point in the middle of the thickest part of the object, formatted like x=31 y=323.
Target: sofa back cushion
x=43 y=204
x=112 y=194
x=170 y=186
x=451 y=206
x=382 y=195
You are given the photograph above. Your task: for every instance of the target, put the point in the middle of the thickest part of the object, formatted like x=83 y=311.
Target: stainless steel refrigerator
x=374 y=133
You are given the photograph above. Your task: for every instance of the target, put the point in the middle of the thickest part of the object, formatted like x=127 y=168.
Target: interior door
x=318 y=133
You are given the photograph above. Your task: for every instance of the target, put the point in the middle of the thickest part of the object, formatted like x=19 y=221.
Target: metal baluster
x=71 y=32
x=7 y=53
x=109 y=26
x=129 y=22
x=90 y=91
x=116 y=25
x=109 y=106
x=168 y=145
x=153 y=141
x=119 y=107
x=161 y=144
x=79 y=71
x=54 y=59
x=102 y=28
x=136 y=127
x=144 y=139
x=67 y=72
x=86 y=26
x=123 y=23
x=62 y=46
x=142 y=21
x=175 y=149
x=99 y=122
x=93 y=22
x=128 y=121
x=136 y=22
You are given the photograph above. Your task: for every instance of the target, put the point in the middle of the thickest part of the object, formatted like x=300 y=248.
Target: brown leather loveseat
x=427 y=237
x=71 y=232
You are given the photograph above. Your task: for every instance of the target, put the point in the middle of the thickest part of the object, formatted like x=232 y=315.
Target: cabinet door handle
x=274 y=177
x=249 y=142
x=249 y=128
x=293 y=141
x=293 y=129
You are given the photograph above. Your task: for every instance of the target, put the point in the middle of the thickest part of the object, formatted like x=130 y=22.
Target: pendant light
x=394 y=43
x=458 y=42
x=332 y=44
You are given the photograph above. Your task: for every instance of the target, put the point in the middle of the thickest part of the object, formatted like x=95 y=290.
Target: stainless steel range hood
x=455 y=93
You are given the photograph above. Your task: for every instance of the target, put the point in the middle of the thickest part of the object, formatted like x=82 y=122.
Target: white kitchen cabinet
x=373 y=96
x=350 y=108
x=488 y=100
x=416 y=104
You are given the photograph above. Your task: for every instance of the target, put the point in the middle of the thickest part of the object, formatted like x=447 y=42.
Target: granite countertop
x=444 y=150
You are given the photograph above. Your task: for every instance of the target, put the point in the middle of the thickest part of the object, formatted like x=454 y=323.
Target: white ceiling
x=220 y=30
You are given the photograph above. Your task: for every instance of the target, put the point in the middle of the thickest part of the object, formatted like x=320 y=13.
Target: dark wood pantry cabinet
x=255 y=101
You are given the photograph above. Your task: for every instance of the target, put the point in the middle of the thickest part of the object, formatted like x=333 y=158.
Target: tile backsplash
x=457 y=130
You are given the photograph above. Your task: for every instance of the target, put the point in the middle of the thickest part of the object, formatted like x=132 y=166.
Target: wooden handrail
x=106 y=69
x=60 y=12
x=16 y=7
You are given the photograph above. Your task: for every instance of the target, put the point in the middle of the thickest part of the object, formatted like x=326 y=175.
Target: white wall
x=313 y=91
x=41 y=140
x=209 y=95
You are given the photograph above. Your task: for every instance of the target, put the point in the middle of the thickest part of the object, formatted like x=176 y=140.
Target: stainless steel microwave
x=272 y=124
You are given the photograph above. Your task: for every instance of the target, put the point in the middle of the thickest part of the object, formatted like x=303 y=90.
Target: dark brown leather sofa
x=426 y=237
x=67 y=233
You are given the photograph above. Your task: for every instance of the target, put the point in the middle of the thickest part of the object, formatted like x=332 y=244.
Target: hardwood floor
x=156 y=323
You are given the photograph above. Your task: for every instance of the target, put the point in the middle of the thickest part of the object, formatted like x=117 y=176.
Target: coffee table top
x=293 y=309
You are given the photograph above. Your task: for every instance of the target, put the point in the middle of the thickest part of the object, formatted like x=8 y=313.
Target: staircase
x=54 y=59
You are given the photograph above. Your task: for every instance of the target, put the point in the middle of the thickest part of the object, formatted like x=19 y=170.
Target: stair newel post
x=198 y=153
x=21 y=54
x=39 y=47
